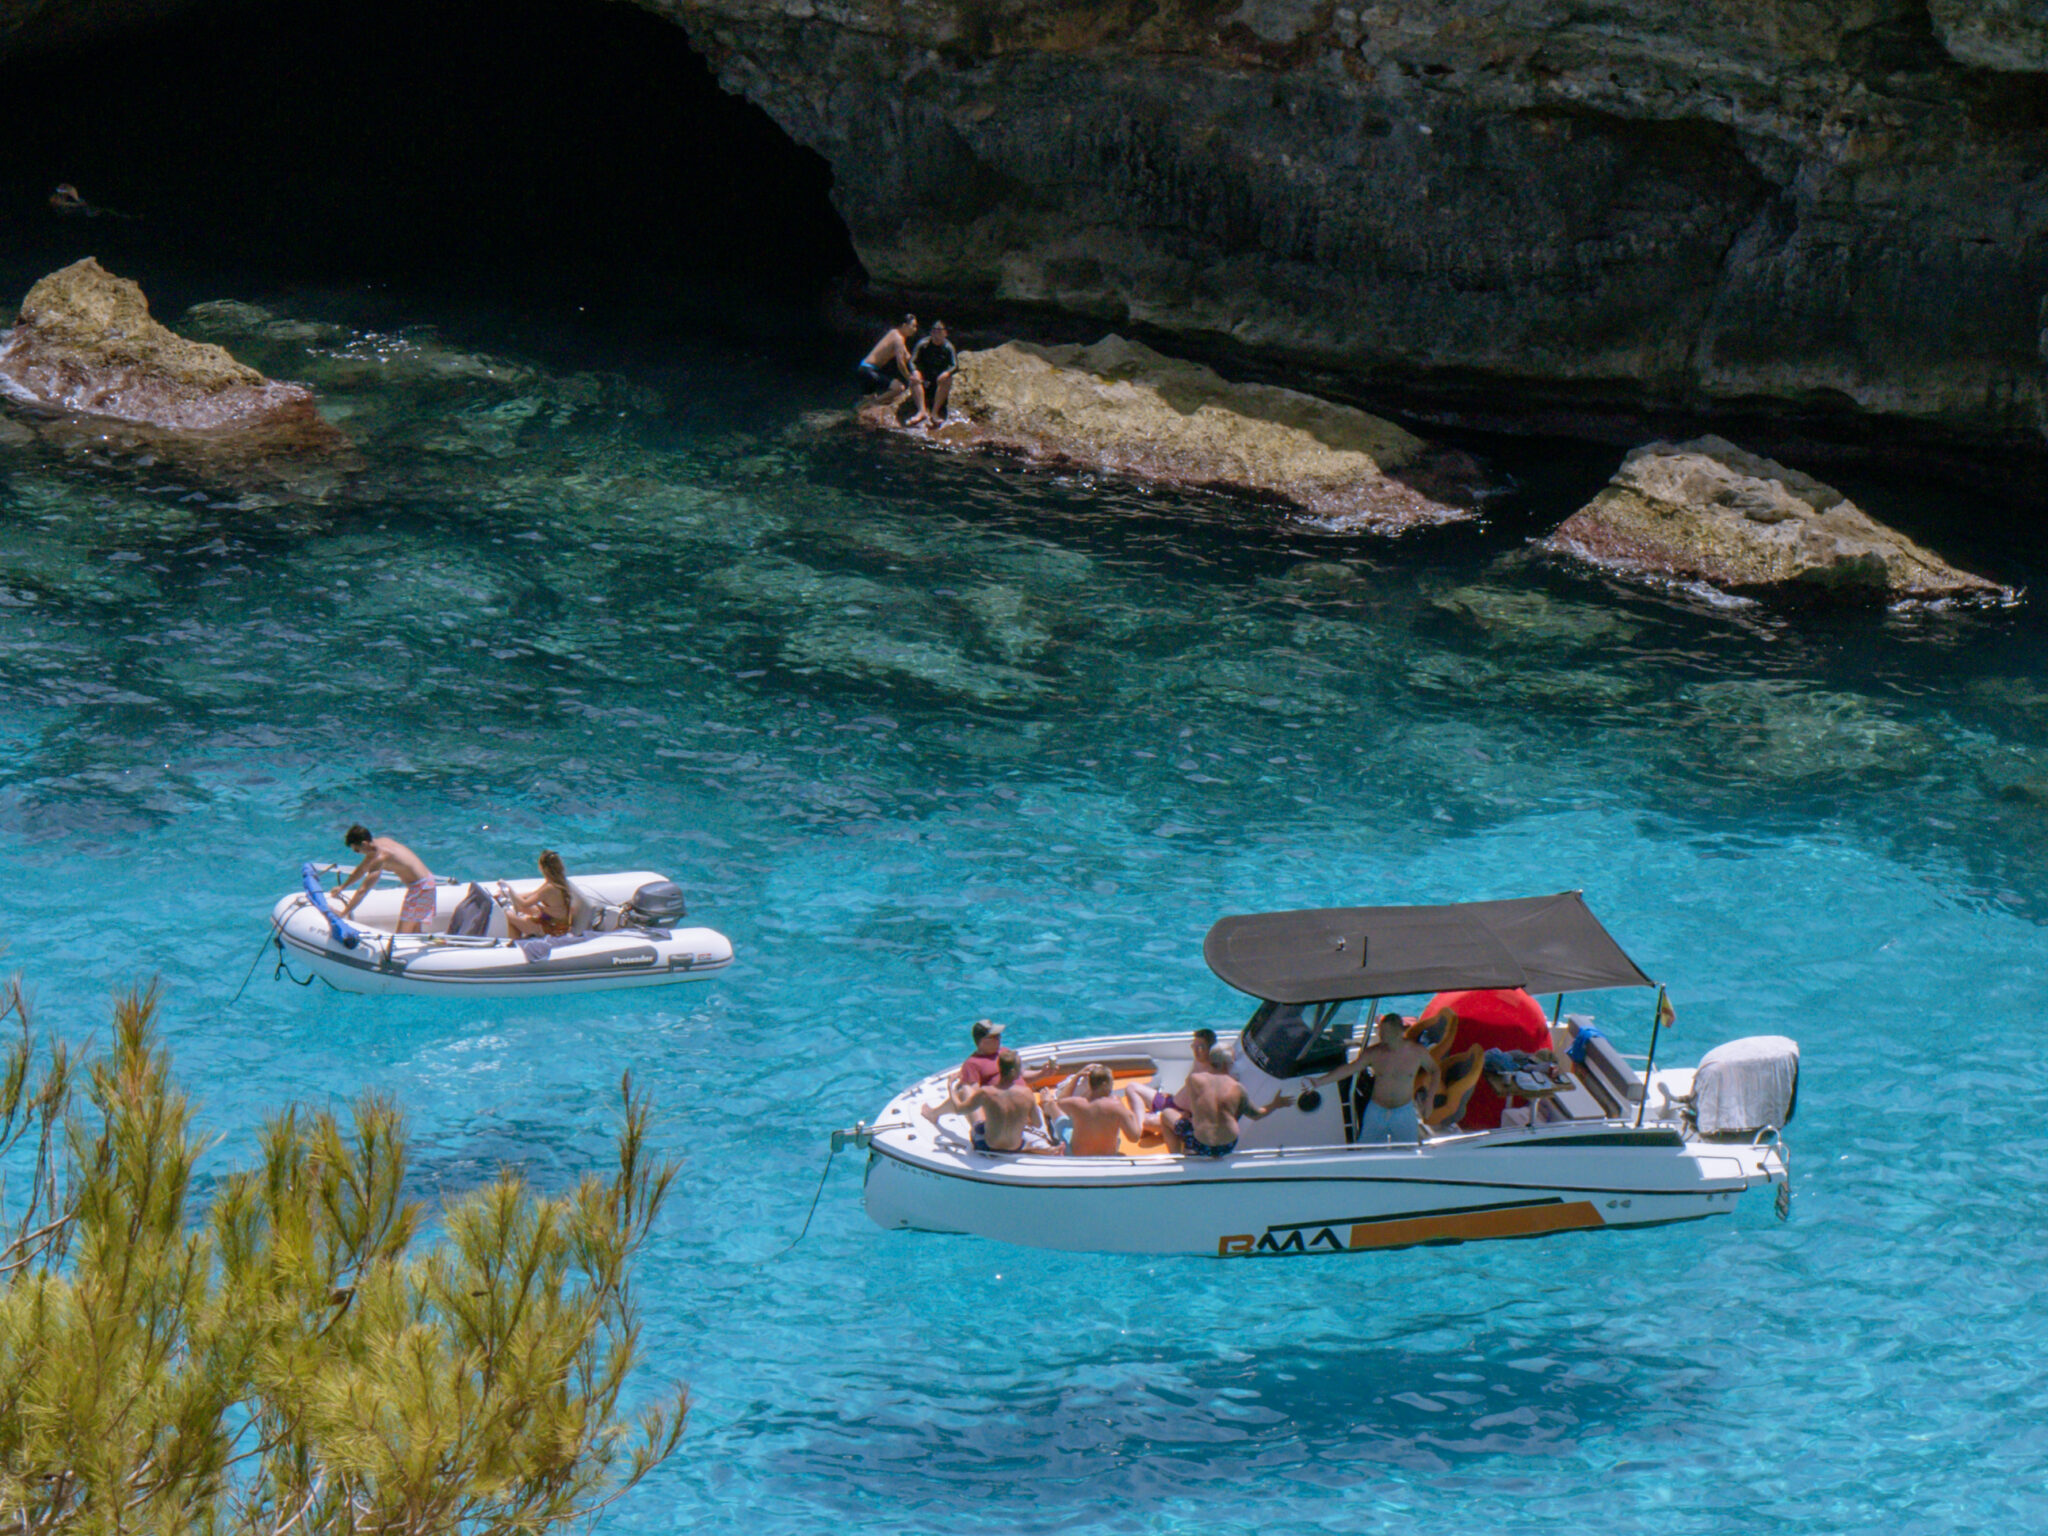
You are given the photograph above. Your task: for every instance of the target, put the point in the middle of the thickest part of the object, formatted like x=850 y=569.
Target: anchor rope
x=791 y=1245
x=268 y=939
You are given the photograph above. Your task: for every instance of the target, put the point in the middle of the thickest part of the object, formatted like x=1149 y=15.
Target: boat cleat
x=860 y=1136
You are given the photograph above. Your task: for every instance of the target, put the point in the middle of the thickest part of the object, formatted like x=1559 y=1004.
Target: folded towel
x=538 y=949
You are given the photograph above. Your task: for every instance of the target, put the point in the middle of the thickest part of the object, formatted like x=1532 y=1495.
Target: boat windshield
x=1294 y=1039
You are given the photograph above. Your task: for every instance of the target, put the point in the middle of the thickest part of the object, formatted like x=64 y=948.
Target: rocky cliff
x=1832 y=208
x=1830 y=205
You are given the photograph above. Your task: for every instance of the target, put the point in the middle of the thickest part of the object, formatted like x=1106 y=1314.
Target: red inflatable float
x=1498 y=1020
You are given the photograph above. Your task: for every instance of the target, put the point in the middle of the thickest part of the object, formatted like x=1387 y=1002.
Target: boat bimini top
x=1335 y=954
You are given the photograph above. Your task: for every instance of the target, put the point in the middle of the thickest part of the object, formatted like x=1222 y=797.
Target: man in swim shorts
x=382 y=853
x=1152 y=1103
x=1215 y=1102
x=1393 y=1061
x=888 y=364
x=1092 y=1121
x=1006 y=1109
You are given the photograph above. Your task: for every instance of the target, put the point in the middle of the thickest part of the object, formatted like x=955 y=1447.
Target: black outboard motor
x=657 y=904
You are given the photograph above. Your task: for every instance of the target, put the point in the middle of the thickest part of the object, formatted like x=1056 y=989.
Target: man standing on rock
x=893 y=352
x=934 y=361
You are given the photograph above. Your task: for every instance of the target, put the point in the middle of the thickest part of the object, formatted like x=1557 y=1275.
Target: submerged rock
x=1120 y=407
x=1507 y=616
x=1707 y=511
x=85 y=343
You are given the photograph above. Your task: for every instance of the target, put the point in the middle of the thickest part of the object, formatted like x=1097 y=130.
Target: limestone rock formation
x=1120 y=407
x=84 y=342
x=1832 y=207
x=1707 y=511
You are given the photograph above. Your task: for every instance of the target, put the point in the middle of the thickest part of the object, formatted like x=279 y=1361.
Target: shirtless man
x=1393 y=1062
x=382 y=853
x=892 y=352
x=1216 y=1100
x=1152 y=1104
x=1005 y=1109
x=1098 y=1116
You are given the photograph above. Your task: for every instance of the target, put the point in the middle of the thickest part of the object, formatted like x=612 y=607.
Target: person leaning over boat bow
x=1215 y=1101
x=388 y=853
x=1390 y=1114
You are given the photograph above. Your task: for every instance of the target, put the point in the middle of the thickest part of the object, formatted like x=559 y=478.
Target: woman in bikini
x=545 y=914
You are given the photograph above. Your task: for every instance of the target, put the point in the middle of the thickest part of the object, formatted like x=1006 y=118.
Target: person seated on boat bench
x=1208 y=1127
x=1006 y=1109
x=1088 y=1116
x=382 y=853
x=1389 y=1115
x=546 y=913
x=980 y=1069
x=1151 y=1104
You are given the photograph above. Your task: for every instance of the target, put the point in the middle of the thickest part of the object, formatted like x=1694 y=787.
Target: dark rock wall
x=32 y=26
x=1825 y=208
x=1834 y=207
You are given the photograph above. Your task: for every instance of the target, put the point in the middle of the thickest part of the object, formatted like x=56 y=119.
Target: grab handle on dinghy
x=346 y=935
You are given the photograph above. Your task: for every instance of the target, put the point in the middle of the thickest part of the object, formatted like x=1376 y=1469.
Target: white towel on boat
x=1745 y=1085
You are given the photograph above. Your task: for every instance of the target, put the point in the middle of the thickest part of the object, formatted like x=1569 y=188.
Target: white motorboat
x=1605 y=1145
x=625 y=931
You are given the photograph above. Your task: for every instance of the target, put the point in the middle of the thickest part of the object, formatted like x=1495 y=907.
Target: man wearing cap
x=980 y=1069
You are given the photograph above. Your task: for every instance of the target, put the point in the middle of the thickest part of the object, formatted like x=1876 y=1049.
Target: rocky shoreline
x=1826 y=214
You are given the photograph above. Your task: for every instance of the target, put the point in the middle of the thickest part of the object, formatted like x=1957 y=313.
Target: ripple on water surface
x=936 y=738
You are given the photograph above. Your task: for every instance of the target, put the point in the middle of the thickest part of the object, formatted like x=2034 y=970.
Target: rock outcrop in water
x=1122 y=408
x=1707 y=511
x=84 y=343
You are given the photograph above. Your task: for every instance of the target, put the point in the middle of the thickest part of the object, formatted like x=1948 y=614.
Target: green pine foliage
x=291 y=1355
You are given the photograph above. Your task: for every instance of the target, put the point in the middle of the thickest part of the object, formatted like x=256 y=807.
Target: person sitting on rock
x=935 y=361
x=888 y=364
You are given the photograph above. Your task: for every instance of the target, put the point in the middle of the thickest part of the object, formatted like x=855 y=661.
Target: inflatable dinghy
x=626 y=931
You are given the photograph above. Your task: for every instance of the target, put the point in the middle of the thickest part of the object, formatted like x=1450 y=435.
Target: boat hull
x=435 y=964
x=1282 y=1201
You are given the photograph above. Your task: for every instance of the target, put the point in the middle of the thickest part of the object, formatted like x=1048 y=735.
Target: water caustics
x=932 y=738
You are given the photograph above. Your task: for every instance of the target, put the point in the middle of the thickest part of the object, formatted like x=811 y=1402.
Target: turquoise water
x=934 y=738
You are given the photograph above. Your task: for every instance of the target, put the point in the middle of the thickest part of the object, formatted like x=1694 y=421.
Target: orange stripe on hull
x=1521 y=1221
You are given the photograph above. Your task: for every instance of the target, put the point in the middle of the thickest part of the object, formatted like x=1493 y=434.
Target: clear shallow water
x=934 y=738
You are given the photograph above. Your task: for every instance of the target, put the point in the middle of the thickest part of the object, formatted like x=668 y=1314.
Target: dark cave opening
x=549 y=155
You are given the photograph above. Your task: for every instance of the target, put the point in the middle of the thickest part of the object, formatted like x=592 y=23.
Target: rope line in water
x=268 y=939
x=807 y=1214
